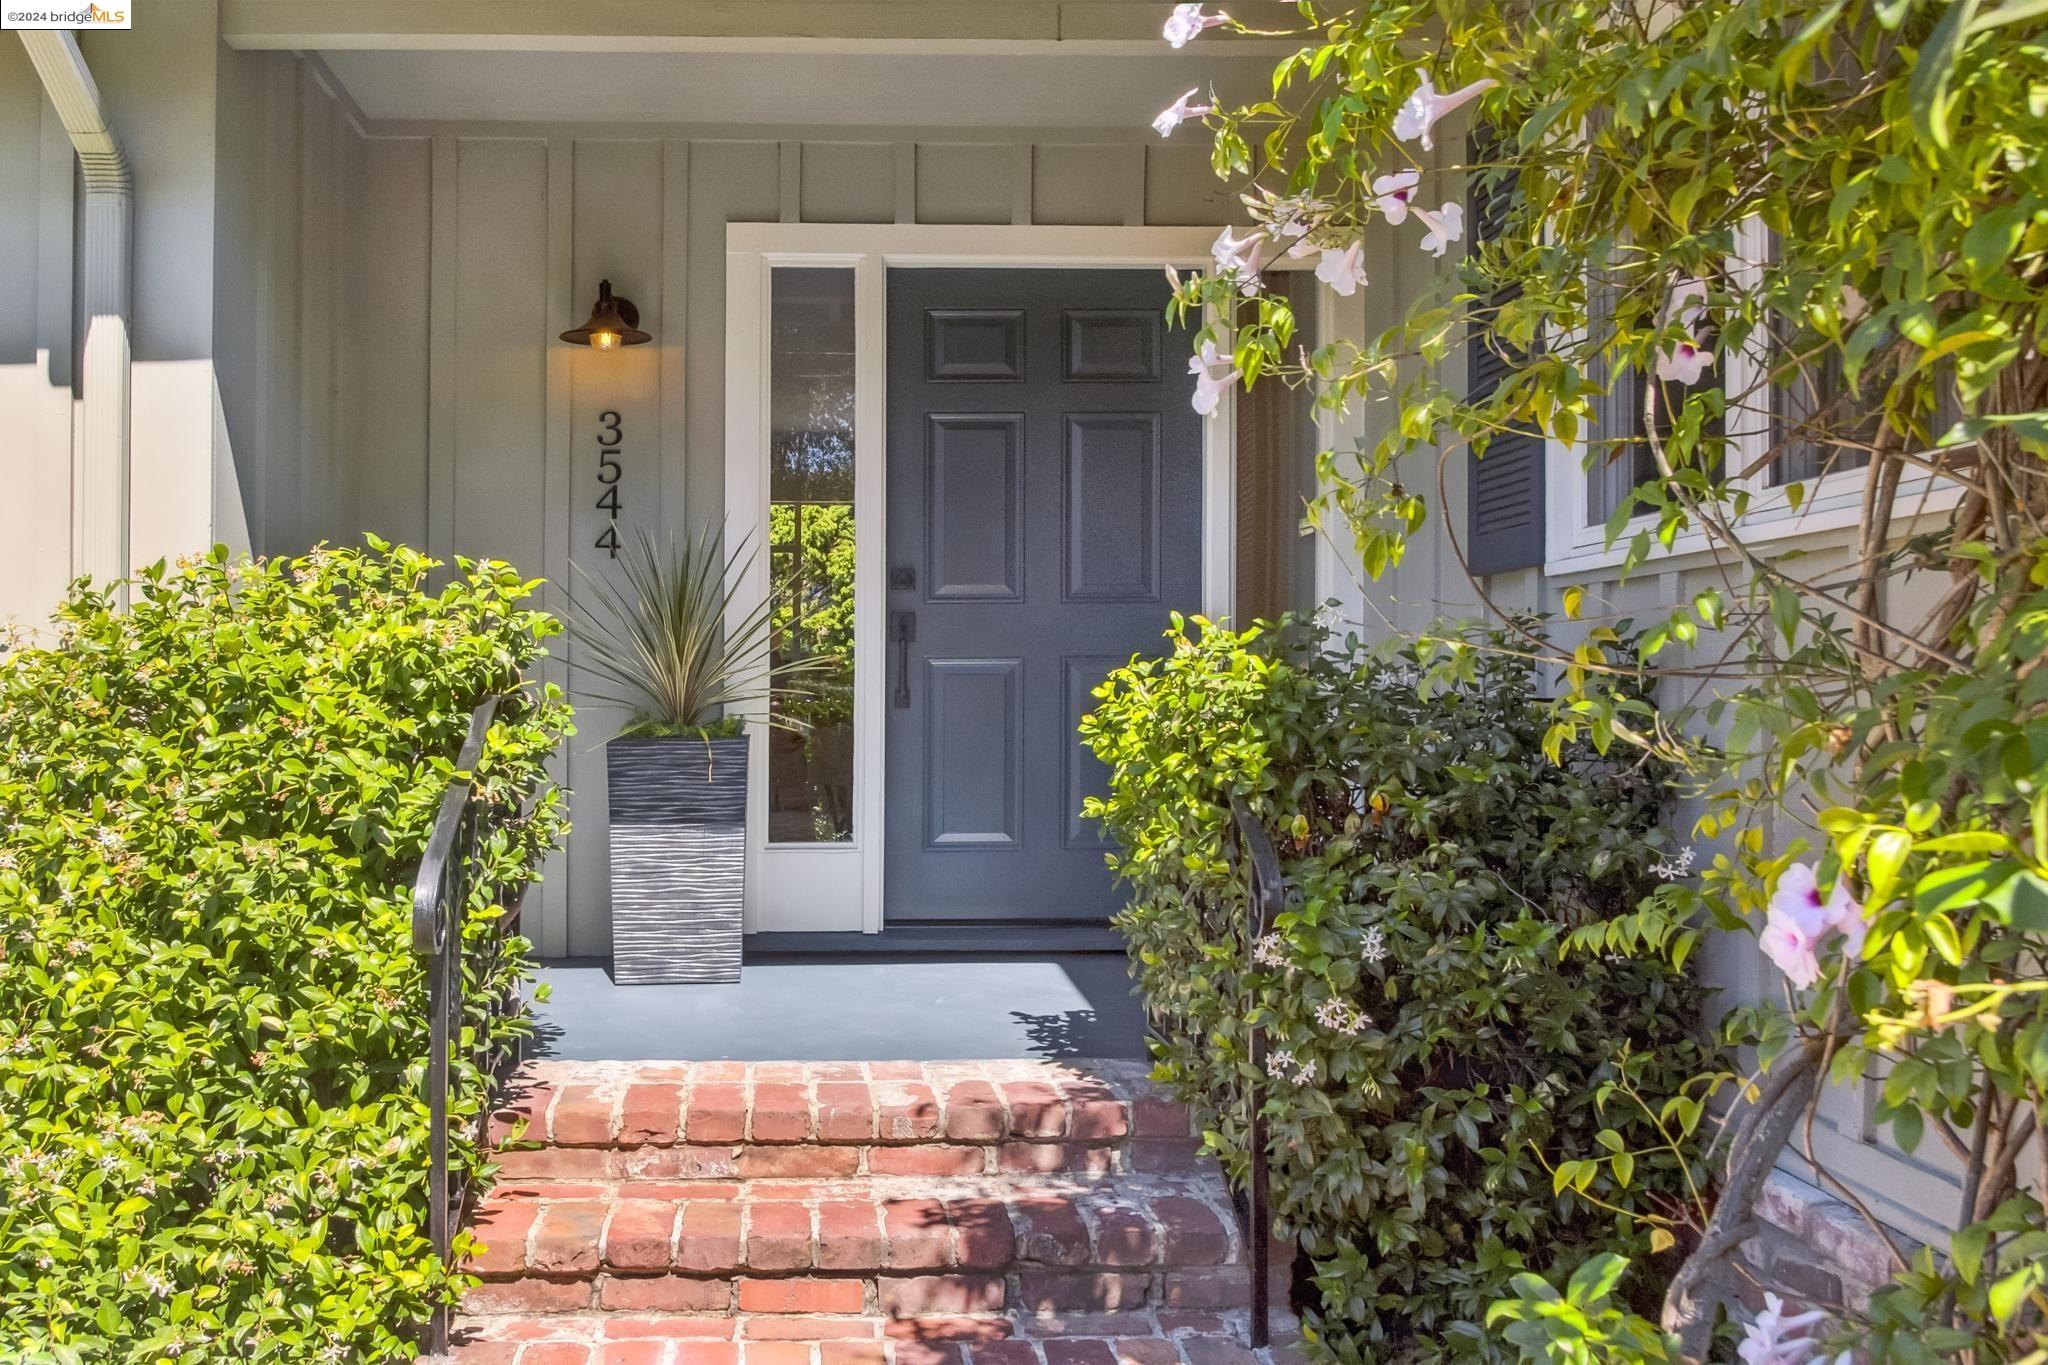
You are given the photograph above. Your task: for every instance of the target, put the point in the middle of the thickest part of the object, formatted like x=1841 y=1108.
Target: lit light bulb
x=604 y=341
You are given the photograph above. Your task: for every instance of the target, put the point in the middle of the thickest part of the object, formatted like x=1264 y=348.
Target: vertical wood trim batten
x=551 y=934
x=1021 y=158
x=443 y=247
x=906 y=182
x=870 y=516
x=56 y=185
x=675 y=320
x=792 y=167
x=319 y=135
x=1134 y=184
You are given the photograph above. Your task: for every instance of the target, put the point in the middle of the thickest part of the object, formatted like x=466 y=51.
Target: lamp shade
x=614 y=322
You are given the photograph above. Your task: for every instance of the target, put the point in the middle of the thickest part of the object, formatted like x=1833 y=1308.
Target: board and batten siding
x=464 y=427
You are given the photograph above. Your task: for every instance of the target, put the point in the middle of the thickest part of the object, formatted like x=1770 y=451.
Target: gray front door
x=1045 y=515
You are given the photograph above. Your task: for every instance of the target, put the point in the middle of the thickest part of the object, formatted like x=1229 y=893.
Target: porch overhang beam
x=921 y=26
x=106 y=286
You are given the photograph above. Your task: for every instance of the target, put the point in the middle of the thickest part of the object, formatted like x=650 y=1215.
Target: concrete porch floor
x=840 y=1009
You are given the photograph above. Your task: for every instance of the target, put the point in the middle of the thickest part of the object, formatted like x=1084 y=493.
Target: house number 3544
x=611 y=435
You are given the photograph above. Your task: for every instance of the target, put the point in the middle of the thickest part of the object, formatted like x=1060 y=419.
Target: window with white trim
x=1798 y=480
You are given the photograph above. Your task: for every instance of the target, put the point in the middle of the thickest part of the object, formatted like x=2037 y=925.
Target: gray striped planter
x=679 y=858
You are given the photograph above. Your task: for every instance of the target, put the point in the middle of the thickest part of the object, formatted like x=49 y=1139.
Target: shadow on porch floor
x=840 y=1009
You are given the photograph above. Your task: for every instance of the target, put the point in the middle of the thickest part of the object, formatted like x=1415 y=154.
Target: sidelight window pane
x=810 y=540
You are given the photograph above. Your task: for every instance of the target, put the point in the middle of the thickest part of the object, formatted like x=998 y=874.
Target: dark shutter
x=1504 y=505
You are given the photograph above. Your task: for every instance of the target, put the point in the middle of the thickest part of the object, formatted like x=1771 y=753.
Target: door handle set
x=902 y=629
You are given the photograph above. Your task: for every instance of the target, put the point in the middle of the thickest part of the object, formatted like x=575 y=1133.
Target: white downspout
x=101 y=543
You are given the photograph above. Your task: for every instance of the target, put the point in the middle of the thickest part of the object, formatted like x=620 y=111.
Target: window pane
x=1814 y=404
x=1618 y=469
x=810 y=546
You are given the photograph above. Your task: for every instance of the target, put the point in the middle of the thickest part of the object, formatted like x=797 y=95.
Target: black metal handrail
x=1265 y=895
x=440 y=895
x=1251 y=852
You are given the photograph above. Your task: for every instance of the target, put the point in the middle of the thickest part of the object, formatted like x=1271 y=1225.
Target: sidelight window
x=811 y=551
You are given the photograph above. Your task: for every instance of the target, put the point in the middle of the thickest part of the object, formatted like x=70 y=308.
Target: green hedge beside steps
x=1434 y=1056
x=213 y=1134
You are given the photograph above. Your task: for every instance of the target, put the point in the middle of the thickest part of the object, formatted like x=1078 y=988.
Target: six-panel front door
x=1044 y=517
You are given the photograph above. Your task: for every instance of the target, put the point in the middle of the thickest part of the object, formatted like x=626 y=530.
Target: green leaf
x=1933 y=68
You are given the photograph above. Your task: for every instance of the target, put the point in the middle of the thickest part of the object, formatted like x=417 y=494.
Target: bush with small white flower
x=213 y=1128
x=1433 y=1064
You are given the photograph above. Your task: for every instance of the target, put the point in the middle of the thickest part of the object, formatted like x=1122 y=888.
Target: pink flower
x=1214 y=372
x=1445 y=226
x=1423 y=108
x=1391 y=193
x=1187 y=22
x=1799 y=922
x=1683 y=362
x=1778 y=1338
x=1179 y=112
x=1343 y=269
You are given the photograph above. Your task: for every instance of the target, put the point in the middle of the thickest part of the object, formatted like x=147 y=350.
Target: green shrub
x=213 y=1135
x=1433 y=1062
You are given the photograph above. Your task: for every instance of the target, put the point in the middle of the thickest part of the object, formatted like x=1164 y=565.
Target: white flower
x=1306 y=1072
x=1776 y=1338
x=109 y=839
x=1391 y=193
x=1187 y=22
x=158 y=1285
x=1339 y=1016
x=1179 y=112
x=1343 y=269
x=1423 y=108
x=1286 y=217
x=1172 y=278
x=1214 y=372
x=1329 y=616
x=1280 y=1064
x=1374 y=949
x=1445 y=226
x=1672 y=866
x=1237 y=253
x=1270 y=951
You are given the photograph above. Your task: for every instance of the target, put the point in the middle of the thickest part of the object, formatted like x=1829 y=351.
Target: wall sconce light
x=614 y=322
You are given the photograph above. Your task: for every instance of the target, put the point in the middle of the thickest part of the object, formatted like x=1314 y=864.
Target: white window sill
x=1834 y=505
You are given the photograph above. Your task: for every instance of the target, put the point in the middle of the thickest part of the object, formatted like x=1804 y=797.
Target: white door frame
x=839 y=886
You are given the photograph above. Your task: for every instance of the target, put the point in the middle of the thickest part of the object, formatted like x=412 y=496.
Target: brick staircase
x=970 y=1213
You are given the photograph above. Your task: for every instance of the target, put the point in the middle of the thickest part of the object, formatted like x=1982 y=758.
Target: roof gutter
x=100 y=491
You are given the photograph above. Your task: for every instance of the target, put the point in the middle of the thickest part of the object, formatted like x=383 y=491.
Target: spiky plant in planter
x=671 y=641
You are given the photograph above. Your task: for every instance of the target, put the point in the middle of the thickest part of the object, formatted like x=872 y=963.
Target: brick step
x=867 y=1245
x=597 y=1121
x=1166 y=1338
x=1022 y=1290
